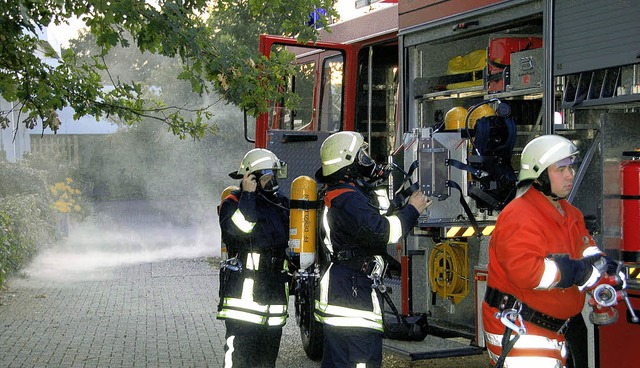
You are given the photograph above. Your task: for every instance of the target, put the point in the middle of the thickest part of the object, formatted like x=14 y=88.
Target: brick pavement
x=128 y=290
x=158 y=314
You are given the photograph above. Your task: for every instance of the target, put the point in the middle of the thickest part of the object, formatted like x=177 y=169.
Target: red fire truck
x=401 y=76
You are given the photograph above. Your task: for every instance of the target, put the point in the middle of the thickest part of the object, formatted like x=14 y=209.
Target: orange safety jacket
x=528 y=230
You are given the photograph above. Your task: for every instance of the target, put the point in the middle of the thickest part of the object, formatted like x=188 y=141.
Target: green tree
x=215 y=42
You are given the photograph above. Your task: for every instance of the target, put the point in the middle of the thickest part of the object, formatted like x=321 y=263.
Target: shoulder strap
x=232 y=197
x=482 y=134
x=332 y=194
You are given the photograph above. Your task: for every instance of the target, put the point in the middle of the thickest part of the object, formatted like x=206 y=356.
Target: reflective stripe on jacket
x=531 y=350
x=347 y=299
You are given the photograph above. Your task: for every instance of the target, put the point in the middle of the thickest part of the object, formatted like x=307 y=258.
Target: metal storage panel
x=300 y=149
x=595 y=34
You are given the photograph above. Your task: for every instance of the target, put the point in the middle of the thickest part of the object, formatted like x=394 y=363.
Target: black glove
x=614 y=268
x=583 y=272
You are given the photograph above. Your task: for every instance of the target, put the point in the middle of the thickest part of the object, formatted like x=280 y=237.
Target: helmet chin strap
x=366 y=177
x=543 y=185
x=354 y=175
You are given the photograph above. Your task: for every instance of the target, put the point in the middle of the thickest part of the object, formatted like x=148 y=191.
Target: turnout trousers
x=251 y=345
x=346 y=347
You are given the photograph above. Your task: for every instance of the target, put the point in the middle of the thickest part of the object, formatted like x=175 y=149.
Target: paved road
x=130 y=291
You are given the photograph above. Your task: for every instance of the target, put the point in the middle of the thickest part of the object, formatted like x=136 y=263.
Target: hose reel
x=448 y=270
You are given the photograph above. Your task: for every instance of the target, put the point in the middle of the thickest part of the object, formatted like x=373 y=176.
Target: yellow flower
x=65 y=197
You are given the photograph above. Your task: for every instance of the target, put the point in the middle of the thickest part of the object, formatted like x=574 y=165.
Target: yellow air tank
x=225 y=193
x=302 y=219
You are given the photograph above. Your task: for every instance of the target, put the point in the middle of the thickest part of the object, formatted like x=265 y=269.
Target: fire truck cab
x=401 y=76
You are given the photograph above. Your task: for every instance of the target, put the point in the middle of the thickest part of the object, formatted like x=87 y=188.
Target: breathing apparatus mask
x=369 y=169
x=271 y=185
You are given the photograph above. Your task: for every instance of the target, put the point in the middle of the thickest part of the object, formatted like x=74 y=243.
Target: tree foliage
x=215 y=41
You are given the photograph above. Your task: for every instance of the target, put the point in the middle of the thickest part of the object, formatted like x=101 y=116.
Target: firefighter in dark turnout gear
x=356 y=234
x=254 y=280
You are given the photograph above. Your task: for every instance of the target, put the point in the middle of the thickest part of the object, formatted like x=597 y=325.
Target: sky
x=63 y=33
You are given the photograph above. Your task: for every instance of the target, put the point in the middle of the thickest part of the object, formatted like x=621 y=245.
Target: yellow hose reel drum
x=448 y=270
x=225 y=193
x=302 y=219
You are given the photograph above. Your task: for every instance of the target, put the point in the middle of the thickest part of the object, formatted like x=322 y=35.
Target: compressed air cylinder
x=225 y=193
x=630 y=190
x=302 y=220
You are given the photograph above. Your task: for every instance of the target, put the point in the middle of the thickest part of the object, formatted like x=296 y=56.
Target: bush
x=68 y=200
x=27 y=217
x=8 y=245
x=21 y=179
x=27 y=224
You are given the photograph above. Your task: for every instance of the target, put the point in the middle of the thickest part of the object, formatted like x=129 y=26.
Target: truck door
x=321 y=77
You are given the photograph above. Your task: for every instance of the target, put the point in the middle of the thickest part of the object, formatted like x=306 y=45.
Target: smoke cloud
x=114 y=238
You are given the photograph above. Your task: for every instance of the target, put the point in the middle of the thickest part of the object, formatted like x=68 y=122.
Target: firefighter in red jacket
x=356 y=235
x=254 y=221
x=542 y=261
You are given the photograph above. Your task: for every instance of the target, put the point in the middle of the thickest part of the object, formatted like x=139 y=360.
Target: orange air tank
x=302 y=220
x=225 y=193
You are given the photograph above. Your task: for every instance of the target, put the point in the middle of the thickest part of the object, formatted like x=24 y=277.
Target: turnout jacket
x=355 y=232
x=255 y=231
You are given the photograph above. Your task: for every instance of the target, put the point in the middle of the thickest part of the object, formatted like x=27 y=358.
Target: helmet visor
x=260 y=173
x=569 y=161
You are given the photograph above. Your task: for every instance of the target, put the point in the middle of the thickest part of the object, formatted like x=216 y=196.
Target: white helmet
x=260 y=159
x=542 y=152
x=339 y=150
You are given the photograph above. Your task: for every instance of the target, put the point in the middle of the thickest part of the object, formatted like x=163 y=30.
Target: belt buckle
x=341 y=256
x=564 y=327
x=365 y=267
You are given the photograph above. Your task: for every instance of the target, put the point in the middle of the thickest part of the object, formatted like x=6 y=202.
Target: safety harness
x=513 y=313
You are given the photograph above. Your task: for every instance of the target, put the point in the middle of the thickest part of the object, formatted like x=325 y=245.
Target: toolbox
x=499 y=59
x=526 y=68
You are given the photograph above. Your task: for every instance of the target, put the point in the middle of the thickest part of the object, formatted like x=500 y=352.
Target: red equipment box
x=618 y=343
x=499 y=58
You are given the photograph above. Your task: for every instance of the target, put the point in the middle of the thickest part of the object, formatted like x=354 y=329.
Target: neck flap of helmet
x=543 y=185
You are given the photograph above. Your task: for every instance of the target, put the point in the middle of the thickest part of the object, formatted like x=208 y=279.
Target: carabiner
x=508 y=317
x=231 y=264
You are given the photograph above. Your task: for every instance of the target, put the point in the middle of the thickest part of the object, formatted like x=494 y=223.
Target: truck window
x=302 y=85
x=331 y=93
x=377 y=98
